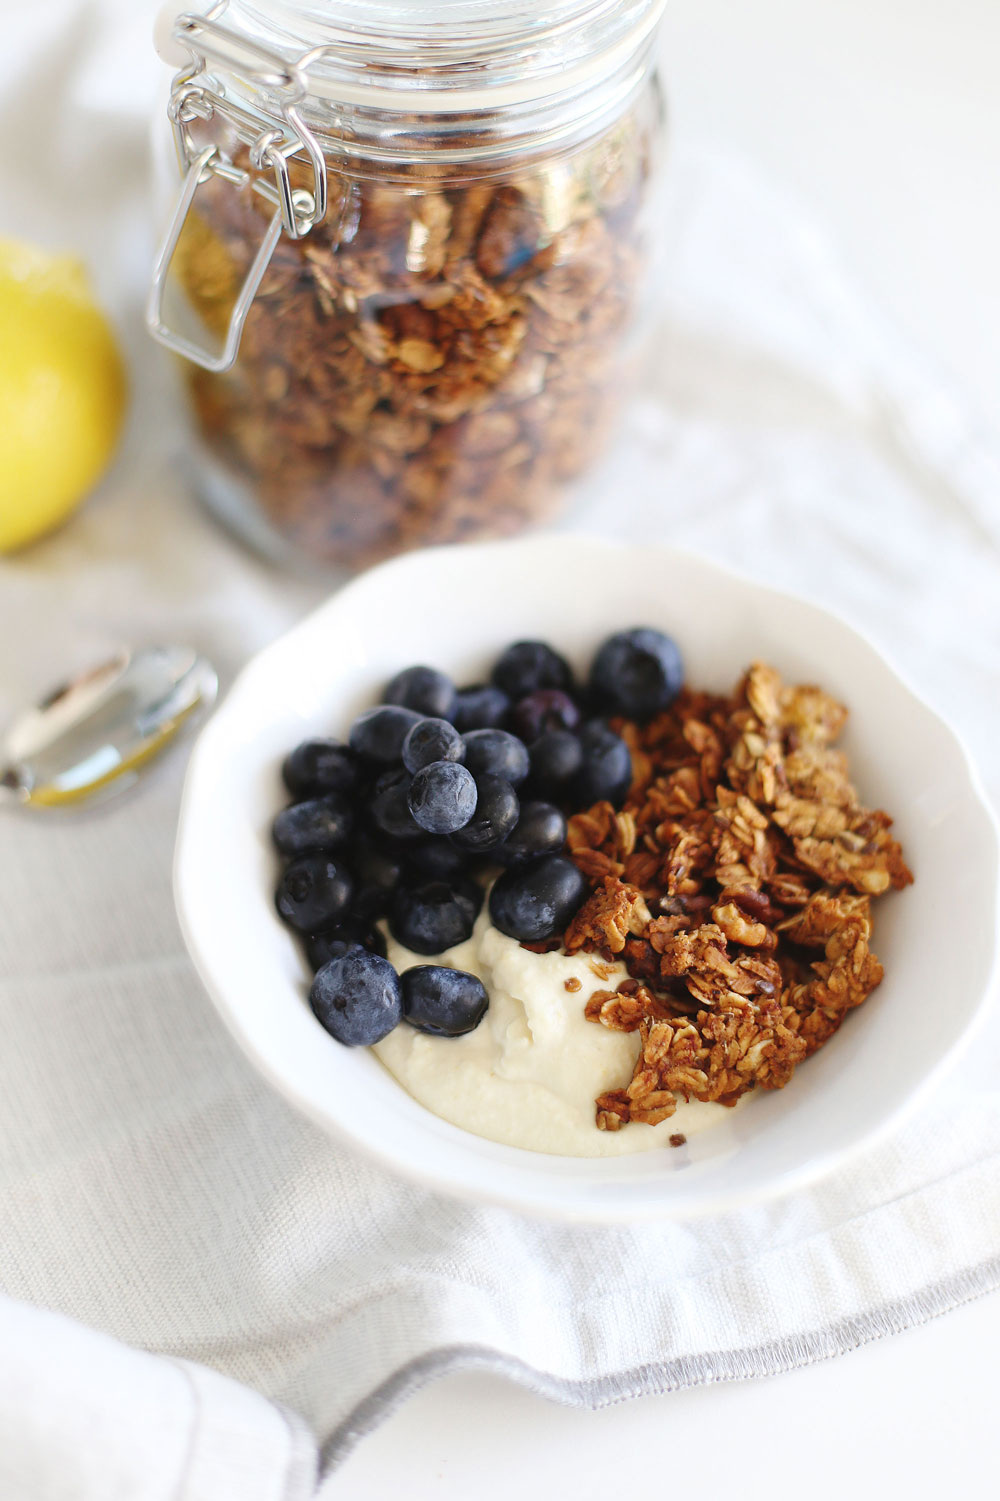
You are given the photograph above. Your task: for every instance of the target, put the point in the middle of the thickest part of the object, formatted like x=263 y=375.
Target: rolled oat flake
x=406 y=261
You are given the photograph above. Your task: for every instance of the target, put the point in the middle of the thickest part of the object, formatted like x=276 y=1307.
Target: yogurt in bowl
x=529 y=1074
x=455 y=608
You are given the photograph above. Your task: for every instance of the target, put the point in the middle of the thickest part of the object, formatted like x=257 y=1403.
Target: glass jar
x=408 y=261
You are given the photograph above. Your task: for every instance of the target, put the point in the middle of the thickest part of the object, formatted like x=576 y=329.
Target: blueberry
x=323 y=823
x=556 y=757
x=334 y=942
x=540 y=830
x=435 y=916
x=318 y=766
x=436 y=859
x=529 y=665
x=606 y=772
x=357 y=998
x=545 y=709
x=537 y=900
x=444 y=1002
x=432 y=740
x=378 y=734
x=495 y=817
x=322 y=947
x=376 y=875
x=314 y=891
x=484 y=706
x=442 y=797
x=636 y=673
x=495 y=753
x=424 y=689
x=390 y=806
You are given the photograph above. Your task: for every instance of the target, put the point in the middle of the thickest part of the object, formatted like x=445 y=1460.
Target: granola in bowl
x=680 y=890
x=736 y=884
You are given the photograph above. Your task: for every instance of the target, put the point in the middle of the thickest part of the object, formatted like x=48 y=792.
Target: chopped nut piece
x=622 y=1013
x=607 y=918
x=736 y=926
x=612 y=1111
x=420 y=354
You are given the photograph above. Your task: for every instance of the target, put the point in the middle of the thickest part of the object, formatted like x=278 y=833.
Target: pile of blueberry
x=434 y=786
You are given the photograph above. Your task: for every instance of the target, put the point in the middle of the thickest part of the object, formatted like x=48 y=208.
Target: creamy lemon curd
x=530 y=1072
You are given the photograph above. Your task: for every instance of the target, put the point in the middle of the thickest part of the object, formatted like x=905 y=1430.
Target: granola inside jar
x=433 y=356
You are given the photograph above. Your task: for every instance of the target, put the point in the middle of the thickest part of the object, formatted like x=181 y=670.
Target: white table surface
x=884 y=117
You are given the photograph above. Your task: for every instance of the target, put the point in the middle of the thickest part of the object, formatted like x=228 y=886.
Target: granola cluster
x=433 y=360
x=736 y=885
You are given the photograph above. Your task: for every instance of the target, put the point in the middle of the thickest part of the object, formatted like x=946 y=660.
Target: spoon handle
x=11 y=787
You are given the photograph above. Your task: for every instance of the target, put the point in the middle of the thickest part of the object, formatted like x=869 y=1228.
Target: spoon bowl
x=90 y=738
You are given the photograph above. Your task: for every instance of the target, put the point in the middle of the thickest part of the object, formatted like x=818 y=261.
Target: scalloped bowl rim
x=251 y=970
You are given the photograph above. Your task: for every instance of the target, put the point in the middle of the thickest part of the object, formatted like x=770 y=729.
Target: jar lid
x=348 y=86
x=436 y=56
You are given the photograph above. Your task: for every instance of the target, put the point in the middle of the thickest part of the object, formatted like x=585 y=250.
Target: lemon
x=62 y=391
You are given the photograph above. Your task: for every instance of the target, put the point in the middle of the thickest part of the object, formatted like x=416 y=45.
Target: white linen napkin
x=213 y=1263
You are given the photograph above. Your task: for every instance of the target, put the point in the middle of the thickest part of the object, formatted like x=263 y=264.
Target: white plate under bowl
x=456 y=608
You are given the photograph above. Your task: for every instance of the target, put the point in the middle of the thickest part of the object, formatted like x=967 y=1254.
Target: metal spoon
x=91 y=738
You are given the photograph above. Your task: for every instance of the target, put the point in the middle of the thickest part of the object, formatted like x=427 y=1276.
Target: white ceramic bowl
x=456 y=608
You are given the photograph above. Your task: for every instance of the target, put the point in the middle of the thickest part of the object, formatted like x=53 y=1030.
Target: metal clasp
x=195 y=95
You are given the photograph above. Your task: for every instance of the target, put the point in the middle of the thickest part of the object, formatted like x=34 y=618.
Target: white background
x=883 y=118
